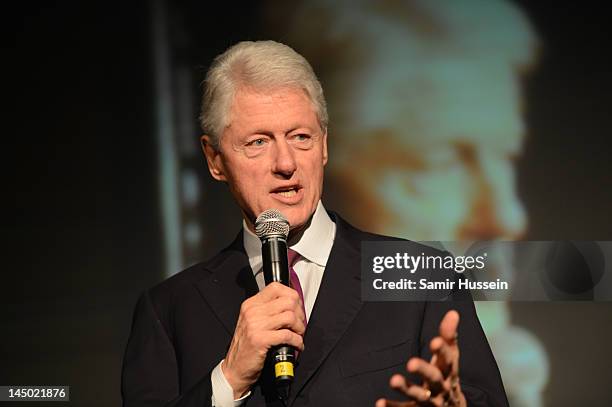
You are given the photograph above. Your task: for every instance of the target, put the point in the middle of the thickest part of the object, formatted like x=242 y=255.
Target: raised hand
x=440 y=387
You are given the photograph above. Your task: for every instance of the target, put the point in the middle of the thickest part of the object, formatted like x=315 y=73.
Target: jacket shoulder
x=163 y=294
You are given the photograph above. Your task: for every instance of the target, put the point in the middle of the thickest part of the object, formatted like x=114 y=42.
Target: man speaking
x=203 y=337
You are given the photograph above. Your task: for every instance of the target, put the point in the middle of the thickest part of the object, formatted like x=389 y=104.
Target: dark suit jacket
x=182 y=328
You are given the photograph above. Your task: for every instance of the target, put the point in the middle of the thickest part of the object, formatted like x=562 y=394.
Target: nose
x=284 y=163
x=495 y=211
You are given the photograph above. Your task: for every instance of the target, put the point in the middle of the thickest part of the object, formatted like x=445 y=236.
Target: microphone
x=272 y=228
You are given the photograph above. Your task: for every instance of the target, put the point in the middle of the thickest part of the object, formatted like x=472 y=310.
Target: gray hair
x=263 y=65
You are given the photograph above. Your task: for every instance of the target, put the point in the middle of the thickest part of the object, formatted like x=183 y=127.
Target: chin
x=296 y=217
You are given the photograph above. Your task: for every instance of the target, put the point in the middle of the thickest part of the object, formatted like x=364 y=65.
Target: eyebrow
x=270 y=134
x=264 y=132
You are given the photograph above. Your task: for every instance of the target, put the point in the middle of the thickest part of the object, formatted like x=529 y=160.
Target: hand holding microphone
x=271 y=318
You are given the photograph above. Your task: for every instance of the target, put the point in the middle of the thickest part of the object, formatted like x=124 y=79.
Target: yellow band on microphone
x=283 y=369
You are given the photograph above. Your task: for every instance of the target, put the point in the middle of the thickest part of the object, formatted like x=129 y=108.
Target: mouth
x=287 y=192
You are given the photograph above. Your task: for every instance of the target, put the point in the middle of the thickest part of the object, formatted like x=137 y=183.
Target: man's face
x=439 y=163
x=272 y=154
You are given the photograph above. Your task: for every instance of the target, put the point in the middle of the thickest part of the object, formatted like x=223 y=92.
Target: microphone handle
x=274 y=257
x=276 y=269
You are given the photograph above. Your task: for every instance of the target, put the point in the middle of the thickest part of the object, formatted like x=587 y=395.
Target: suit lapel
x=230 y=282
x=337 y=304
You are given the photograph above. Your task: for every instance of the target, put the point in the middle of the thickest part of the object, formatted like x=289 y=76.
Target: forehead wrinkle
x=278 y=101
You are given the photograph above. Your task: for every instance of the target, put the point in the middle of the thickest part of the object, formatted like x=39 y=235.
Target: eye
x=301 y=140
x=302 y=137
x=260 y=142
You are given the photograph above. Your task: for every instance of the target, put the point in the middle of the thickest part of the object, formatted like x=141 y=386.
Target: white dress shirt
x=314 y=248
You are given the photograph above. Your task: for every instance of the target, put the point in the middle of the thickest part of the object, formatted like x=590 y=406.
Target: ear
x=213 y=159
x=324 y=140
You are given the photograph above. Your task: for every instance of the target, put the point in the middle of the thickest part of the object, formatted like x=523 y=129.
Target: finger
x=274 y=290
x=418 y=393
x=448 y=326
x=430 y=373
x=393 y=403
x=399 y=383
x=443 y=355
x=436 y=344
x=284 y=303
x=287 y=319
x=285 y=337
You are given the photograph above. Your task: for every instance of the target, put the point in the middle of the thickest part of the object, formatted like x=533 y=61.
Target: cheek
x=252 y=190
x=422 y=202
x=246 y=185
x=447 y=195
x=316 y=169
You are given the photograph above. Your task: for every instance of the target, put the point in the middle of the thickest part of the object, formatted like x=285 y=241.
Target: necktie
x=292 y=258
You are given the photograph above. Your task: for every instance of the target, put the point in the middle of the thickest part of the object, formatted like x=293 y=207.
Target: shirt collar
x=315 y=244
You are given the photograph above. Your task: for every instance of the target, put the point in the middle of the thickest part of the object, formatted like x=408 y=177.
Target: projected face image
x=440 y=166
x=435 y=148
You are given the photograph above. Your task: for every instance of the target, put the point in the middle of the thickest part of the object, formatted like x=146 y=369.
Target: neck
x=297 y=232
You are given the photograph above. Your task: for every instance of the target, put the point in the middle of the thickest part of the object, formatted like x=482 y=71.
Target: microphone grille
x=271 y=222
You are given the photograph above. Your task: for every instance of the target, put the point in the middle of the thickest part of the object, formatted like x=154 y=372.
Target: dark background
x=83 y=224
